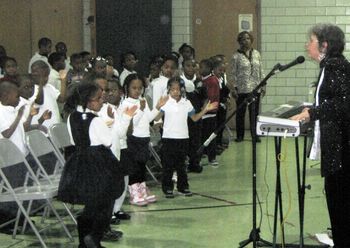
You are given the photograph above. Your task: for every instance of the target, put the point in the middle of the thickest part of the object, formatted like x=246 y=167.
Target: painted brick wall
x=284 y=27
x=181 y=23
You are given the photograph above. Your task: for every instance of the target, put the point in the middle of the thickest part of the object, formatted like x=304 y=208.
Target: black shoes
x=121 y=215
x=169 y=194
x=111 y=235
x=239 y=139
x=185 y=192
x=195 y=168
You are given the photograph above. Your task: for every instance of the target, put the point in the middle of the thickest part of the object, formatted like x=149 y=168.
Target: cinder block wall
x=284 y=27
x=181 y=23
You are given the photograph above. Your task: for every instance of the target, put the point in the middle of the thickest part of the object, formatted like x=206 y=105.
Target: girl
x=139 y=139
x=91 y=176
x=128 y=62
x=175 y=136
x=10 y=70
x=186 y=52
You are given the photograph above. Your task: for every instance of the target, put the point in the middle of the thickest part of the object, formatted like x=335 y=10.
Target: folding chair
x=11 y=156
x=155 y=138
x=39 y=145
x=60 y=138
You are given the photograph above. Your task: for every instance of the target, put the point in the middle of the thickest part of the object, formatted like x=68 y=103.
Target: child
x=159 y=85
x=175 y=136
x=75 y=74
x=86 y=56
x=197 y=96
x=91 y=176
x=154 y=72
x=209 y=120
x=10 y=70
x=186 y=52
x=50 y=95
x=44 y=45
x=56 y=60
x=138 y=141
x=112 y=73
x=128 y=61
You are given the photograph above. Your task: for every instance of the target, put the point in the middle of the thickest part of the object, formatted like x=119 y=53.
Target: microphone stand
x=254 y=236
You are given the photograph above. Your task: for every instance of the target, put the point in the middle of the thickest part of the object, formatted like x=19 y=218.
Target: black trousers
x=195 y=133
x=221 y=118
x=337 y=188
x=209 y=125
x=240 y=115
x=173 y=157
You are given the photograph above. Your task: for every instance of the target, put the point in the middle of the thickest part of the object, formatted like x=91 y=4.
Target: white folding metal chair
x=10 y=156
x=39 y=145
x=60 y=138
x=154 y=140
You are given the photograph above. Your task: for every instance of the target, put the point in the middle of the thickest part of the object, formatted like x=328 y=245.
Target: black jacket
x=333 y=113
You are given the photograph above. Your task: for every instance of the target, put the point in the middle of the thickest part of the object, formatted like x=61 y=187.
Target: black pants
x=337 y=188
x=240 y=115
x=138 y=157
x=195 y=133
x=209 y=125
x=221 y=118
x=173 y=157
x=96 y=217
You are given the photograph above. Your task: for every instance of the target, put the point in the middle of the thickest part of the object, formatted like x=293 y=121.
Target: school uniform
x=124 y=74
x=175 y=142
x=91 y=176
x=159 y=89
x=51 y=95
x=35 y=58
x=139 y=140
x=55 y=79
x=209 y=119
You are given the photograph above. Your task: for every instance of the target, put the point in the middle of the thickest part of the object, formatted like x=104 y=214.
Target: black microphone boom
x=298 y=60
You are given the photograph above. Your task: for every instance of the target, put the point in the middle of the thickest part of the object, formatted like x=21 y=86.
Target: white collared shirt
x=37 y=57
x=141 y=118
x=8 y=115
x=159 y=89
x=50 y=102
x=54 y=79
x=124 y=74
x=99 y=133
x=189 y=83
x=175 y=118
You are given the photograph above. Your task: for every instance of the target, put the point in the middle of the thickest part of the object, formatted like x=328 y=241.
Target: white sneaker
x=174 y=178
x=214 y=163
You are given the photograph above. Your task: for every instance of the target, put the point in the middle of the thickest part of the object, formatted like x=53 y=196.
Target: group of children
x=109 y=119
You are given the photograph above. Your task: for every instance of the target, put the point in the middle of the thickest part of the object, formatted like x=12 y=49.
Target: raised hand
x=142 y=104
x=63 y=74
x=33 y=110
x=211 y=106
x=46 y=115
x=110 y=112
x=162 y=101
x=130 y=111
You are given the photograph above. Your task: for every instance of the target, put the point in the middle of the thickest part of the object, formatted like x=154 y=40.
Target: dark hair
x=208 y=63
x=124 y=55
x=172 y=58
x=6 y=87
x=185 y=60
x=5 y=59
x=81 y=95
x=184 y=45
x=156 y=60
x=332 y=34
x=54 y=57
x=241 y=34
x=43 y=42
x=41 y=64
x=75 y=56
x=60 y=43
x=129 y=79
x=179 y=81
x=96 y=59
x=84 y=53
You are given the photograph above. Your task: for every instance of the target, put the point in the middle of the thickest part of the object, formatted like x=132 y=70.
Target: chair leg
x=60 y=220
x=35 y=230
x=152 y=175
x=25 y=221
x=70 y=213
x=18 y=216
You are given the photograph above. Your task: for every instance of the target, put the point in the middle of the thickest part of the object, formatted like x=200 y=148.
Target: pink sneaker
x=147 y=194
x=136 y=196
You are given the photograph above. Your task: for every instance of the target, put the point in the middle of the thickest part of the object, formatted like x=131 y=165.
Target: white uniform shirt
x=99 y=133
x=189 y=83
x=141 y=119
x=175 y=118
x=50 y=102
x=54 y=79
x=124 y=74
x=159 y=88
x=37 y=57
x=8 y=115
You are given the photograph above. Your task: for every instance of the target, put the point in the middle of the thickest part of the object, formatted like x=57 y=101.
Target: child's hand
x=142 y=104
x=63 y=74
x=130 y=111
x=162 y=101
x=110 y=112
x=33 y=110
x=211 y=106
x=46 y=115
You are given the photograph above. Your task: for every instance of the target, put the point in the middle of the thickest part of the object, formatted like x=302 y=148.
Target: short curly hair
x=332 y=34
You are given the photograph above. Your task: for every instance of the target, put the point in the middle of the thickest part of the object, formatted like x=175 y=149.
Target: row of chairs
x=38 y=184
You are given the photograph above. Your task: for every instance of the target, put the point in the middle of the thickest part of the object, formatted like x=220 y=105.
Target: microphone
x=298 y=60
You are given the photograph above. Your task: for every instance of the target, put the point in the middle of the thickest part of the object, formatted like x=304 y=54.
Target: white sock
x=119 y=202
